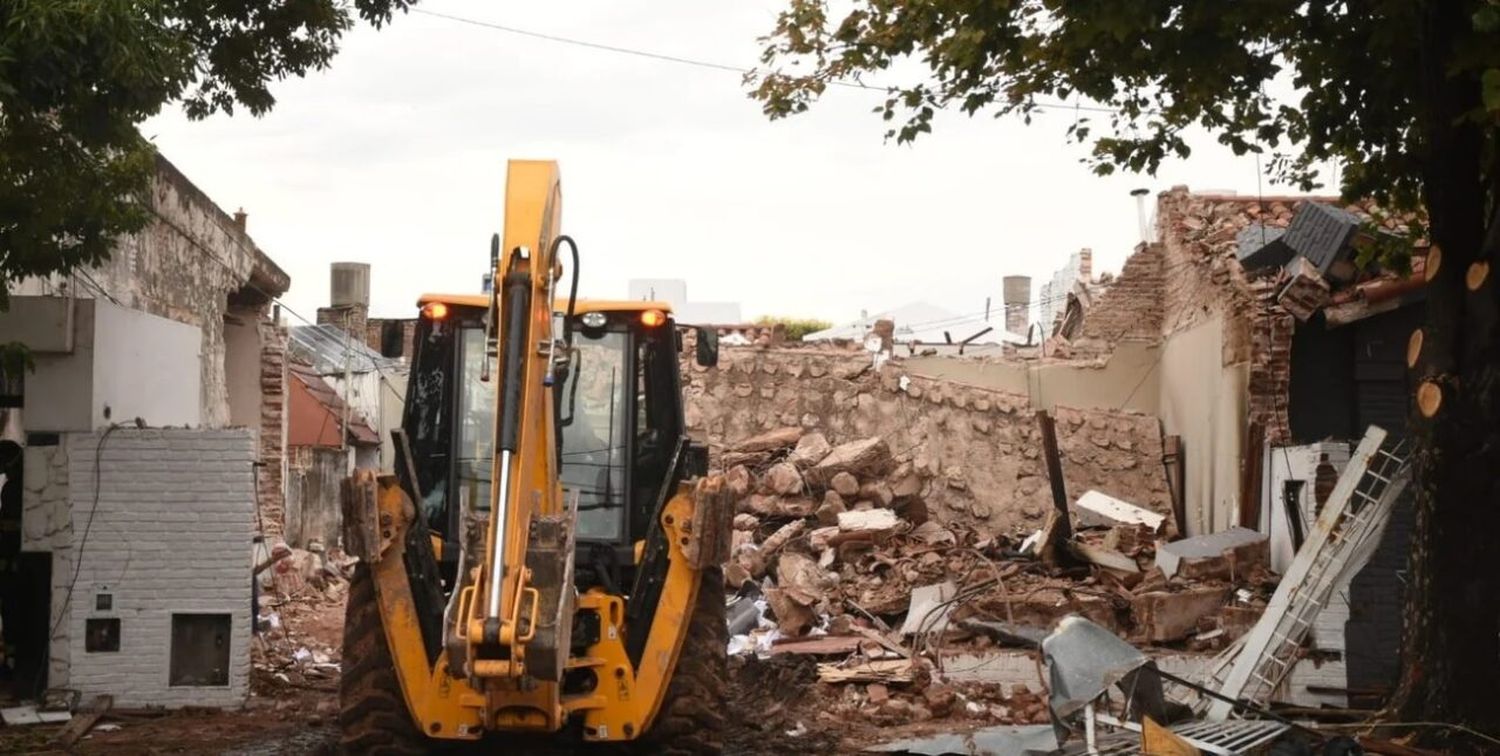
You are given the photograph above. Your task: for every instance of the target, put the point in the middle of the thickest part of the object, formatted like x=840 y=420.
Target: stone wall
x=47 y=526
x=977 y=451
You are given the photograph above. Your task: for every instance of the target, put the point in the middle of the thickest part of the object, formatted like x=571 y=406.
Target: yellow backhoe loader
x=543 y=568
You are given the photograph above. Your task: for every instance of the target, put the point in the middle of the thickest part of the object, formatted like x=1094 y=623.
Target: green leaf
x=1490 y=86
x=1487 y=19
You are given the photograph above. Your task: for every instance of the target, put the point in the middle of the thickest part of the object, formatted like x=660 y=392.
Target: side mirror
x=708 y=347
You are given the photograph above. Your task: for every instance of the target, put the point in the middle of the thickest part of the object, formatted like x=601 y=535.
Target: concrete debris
x=28 y=714
x=1107 y=558
x=810 y=450
x=869 y=520
x=783 y=479
x=873 y=568
x=930 y=607
x=1095 y=509
x=1220 y=555
x=1000 y=740
x=866 y=457
x=1167 y=616
x=780 y=438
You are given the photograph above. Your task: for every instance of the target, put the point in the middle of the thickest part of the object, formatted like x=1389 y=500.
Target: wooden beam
x=1250 y=474
x=84 y=720
x=1064 y=529
x=1171 y=459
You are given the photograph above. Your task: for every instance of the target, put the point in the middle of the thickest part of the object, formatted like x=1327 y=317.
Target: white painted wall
x=145 y=366
x=242 y=370
x=1205 y=402
x=171 y=533
x=392 y=401
x=60 y=392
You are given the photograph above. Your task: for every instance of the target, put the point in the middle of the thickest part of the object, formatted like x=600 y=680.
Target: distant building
x=923 y=323
x=674 y=292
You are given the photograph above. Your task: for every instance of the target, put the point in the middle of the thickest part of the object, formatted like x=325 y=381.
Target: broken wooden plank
x=877 y=670
x=1064 y=528
x=1106 y=558
x=84 y=720
x=826 y=645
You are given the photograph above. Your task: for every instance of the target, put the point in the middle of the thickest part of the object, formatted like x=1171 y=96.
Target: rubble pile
x=836 y=555
x=299 y=620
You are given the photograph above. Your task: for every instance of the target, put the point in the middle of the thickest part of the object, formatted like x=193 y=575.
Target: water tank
x=349 y=284
x=1017 y=289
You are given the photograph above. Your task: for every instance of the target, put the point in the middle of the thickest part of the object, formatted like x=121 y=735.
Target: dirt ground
x=293 y=705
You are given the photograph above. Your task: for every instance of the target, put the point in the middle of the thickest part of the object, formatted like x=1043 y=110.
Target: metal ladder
x=1352 y=518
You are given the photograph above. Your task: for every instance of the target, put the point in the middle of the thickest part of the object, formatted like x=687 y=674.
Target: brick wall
x=351 y=318
x=1270 y=382
x=270 y=480
x=375 y=334
x=171 y=533
x=1132 y=305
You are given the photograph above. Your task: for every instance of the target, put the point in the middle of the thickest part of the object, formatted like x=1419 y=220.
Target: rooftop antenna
x=1140 y=212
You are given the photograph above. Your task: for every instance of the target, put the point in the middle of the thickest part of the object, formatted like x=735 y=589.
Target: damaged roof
x=332 y=406
x=327 y=348
x=1266 y=238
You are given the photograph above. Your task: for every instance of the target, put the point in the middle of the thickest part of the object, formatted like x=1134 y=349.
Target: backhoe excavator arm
x=506 y=658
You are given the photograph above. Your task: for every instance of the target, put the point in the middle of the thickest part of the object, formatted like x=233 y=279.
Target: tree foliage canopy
x=1305 y=81
x=78 y=76
x=796 y=328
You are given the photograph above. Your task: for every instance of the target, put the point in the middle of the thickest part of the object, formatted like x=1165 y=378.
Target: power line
x=698 y=63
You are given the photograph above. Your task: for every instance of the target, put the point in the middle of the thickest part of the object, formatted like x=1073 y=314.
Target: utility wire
x=666 y=58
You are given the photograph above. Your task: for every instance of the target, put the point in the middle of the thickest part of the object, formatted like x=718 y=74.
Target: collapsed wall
x=971 y=455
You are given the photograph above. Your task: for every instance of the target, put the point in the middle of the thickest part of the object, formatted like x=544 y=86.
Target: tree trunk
x=1451 y=645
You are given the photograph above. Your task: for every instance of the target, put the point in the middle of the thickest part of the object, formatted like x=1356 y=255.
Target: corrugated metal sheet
x=327 y=348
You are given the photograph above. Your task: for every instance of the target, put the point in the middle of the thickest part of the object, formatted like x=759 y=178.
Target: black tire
x=691 y=720
x=373 y=718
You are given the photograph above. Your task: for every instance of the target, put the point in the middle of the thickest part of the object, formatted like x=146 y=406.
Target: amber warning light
x=435 y=311
x=653 y=318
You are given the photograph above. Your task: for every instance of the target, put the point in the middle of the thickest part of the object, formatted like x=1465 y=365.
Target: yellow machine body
x=501 y=665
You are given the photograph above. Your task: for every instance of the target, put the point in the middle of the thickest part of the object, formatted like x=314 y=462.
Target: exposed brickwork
x=1270 y=364
x=173 y=517
x=375 y=334
x=353 y=319
x=1131 y=308
x=978 y=450
x=271 y=489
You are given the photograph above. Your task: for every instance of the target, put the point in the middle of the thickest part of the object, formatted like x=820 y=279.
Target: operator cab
x=619 y=416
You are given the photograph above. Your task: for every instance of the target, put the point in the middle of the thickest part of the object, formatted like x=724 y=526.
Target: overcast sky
x=396 y=157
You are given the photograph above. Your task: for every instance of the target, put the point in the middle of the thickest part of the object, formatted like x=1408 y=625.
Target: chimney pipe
x=239 y=218
x=1140 y=213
